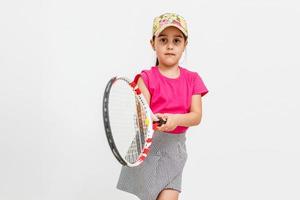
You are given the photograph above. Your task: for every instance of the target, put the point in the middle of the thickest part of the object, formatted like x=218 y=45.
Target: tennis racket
x=128 y=121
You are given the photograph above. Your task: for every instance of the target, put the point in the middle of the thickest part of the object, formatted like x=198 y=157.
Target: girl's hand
x=171 y=121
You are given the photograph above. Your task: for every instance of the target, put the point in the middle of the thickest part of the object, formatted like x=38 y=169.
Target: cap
x=166 y=20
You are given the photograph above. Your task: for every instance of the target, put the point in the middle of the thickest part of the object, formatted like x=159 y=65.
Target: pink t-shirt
x=173 y=95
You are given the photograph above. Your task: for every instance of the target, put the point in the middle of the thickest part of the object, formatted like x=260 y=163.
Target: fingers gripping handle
x=158 y=123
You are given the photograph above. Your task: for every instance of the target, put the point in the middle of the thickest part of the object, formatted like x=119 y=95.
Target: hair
x=153 y=38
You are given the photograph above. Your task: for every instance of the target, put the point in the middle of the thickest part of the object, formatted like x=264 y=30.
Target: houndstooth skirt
x=161 y=169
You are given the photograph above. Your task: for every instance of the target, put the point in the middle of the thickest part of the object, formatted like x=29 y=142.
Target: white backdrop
x=56 y=57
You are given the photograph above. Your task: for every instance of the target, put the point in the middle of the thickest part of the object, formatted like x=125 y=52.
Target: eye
x=177 y=41
x=163 y=40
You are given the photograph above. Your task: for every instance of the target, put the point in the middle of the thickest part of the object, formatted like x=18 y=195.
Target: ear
x=152 y=44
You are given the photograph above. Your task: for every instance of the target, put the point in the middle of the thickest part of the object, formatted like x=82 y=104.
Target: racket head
x=127 y=121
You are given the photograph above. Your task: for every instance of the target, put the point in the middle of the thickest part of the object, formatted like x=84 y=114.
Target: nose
x=170 y=46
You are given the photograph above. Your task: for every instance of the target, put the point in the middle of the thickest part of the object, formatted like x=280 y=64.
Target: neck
x=169 y=71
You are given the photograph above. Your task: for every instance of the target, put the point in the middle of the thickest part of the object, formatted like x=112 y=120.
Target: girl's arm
x=144 y=90
x=192 y=118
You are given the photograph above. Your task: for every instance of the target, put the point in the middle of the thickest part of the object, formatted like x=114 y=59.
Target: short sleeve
x=199 y=86
x=145 y=78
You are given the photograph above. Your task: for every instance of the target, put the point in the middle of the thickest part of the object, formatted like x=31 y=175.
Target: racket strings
x=138 y=142
x=128 y=121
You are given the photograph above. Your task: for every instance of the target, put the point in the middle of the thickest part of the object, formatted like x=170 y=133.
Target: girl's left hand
x=171 y=122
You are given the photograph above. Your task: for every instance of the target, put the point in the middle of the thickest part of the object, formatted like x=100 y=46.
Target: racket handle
x=158 y=123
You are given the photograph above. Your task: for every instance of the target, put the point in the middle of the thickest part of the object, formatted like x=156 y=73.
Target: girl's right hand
x=161 y=116
x=171 y=122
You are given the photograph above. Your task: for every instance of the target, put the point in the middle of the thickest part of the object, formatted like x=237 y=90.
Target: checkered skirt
x=161 y=169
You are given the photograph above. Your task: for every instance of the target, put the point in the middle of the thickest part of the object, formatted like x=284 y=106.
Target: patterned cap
x=169 y=19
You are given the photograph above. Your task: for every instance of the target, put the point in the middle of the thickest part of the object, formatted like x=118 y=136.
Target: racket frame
x=149 y=121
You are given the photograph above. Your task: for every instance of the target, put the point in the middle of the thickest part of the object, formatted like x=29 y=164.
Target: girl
x=174 y=94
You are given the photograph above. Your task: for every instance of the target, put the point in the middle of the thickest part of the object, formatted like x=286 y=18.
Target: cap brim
x=168 y=25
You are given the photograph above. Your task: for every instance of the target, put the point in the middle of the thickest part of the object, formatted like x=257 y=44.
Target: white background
x=56 y=57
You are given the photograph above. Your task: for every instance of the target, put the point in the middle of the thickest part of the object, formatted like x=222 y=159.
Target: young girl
x=174 y=94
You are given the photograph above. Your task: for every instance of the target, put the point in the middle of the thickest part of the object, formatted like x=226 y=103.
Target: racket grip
x=158 y=123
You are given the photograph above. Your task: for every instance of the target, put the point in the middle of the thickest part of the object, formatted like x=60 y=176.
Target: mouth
x=169 y=54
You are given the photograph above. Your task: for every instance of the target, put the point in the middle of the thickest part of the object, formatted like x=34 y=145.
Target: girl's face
x=169 y=46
